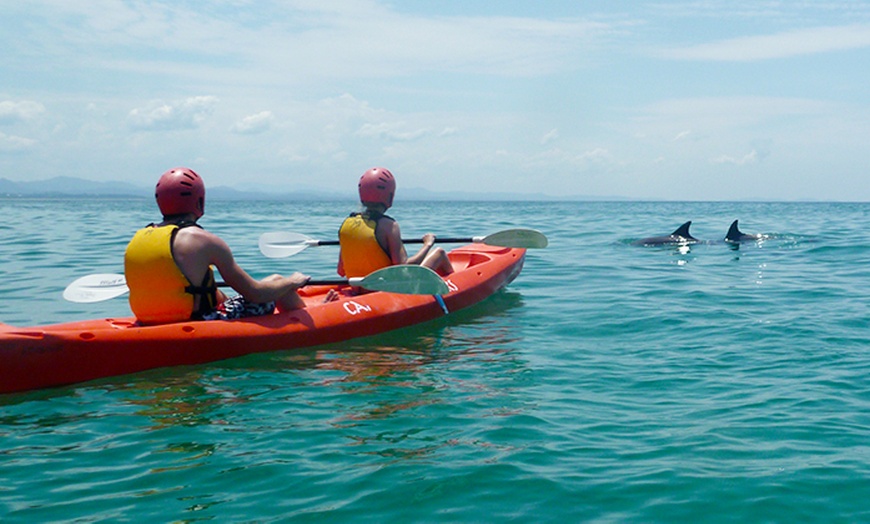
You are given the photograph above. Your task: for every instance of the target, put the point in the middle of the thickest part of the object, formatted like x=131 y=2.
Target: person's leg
x=288 y=302
x=437 y=261
x=237 y=307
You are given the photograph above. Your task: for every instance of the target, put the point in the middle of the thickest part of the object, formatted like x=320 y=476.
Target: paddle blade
x=524 y=238
x=405 y=279
x=96 y=288
x=282 y=244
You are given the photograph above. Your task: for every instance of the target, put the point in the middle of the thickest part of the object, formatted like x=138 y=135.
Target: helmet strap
x=180 y=219
x=375 y=207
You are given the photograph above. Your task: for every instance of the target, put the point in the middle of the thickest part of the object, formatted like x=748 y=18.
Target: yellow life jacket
x=159 y=291
x=360 y=251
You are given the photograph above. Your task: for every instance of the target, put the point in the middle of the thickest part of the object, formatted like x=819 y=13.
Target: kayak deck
x=67 y=353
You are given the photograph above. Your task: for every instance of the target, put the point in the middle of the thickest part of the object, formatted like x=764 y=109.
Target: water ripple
x=610 y=383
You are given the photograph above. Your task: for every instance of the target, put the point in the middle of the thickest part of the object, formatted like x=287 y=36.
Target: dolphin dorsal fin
x=733 y=232
x=683 y=231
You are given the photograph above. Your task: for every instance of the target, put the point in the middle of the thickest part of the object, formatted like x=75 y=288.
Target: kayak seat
x=464 y=260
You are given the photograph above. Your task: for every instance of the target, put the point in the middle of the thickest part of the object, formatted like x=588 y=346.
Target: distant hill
x=73 y=187
x=66 y=187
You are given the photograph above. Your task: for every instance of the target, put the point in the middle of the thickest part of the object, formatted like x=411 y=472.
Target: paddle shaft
x=445 y=240
x=281 y=244
x=312 y=282
x=403 y=279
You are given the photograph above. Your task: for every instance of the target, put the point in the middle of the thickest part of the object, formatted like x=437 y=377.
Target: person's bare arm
x=340 y=268
x=428 y=242
x=195 y=250
x=392 y=236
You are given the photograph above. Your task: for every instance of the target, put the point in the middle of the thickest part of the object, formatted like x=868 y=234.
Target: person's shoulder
x=198 y=234
x=389 y=225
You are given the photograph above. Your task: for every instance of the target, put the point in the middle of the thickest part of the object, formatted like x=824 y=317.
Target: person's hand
x=428 y=239
x=298 y=279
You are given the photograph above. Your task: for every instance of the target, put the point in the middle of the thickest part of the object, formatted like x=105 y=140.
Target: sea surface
x=608 y=383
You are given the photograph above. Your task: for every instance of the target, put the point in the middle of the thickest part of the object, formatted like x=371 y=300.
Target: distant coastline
x=71 y=187
x=64 y=187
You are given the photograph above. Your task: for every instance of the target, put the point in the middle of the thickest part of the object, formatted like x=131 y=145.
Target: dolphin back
x=680 y=236
x=735 y=235
x=683 y=231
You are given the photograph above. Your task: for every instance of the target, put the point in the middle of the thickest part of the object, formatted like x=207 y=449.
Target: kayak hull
x=68 y=353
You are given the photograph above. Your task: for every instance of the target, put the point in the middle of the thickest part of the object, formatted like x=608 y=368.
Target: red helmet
x=378 y=186
x=180 y=191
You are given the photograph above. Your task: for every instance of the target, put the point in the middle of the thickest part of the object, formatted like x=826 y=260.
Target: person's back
x=371 y=240
x=168 y=266
x=160 y=291
x=358 y=237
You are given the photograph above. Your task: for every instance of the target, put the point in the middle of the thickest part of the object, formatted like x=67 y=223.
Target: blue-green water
x=609 y=383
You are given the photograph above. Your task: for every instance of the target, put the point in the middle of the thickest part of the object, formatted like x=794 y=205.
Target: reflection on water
x=476 y=331
x=412 y=377
x=190 y=398
x=191 y=454
x=407 y=359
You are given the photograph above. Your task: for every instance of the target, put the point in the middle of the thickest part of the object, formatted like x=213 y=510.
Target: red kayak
x=59 y=354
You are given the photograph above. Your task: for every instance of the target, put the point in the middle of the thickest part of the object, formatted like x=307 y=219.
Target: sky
x=682 y=100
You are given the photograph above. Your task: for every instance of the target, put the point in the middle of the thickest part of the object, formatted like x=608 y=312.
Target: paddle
x=282 y=244
x=404 y=279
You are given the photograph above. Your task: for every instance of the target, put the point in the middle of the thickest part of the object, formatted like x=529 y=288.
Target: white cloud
x=670 y=120
x=304 y=40
x=780 y=45
x=10 y=143
x=254 y=124
x=599 y=157
x=549 y=137
x=11 y=112
x=162 y=116
x=391 y=131
x=346 y=107
x=750 y=158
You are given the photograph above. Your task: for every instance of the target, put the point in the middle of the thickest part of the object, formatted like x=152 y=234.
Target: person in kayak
x=169 y=267
x=370 y=240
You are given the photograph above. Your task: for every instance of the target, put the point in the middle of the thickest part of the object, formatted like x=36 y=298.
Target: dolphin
x=735 y=236
x=680 y=236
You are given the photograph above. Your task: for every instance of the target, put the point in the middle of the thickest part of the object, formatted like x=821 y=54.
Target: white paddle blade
x=282 y=244
x=96 y=288
x=523 y=238
x=405 y=279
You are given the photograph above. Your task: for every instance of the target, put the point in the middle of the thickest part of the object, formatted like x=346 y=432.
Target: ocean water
x=608 y=383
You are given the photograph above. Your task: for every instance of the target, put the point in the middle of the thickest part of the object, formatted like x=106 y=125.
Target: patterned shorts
x=238 y=307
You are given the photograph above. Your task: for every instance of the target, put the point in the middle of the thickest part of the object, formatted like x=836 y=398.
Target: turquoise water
x=609 y=383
